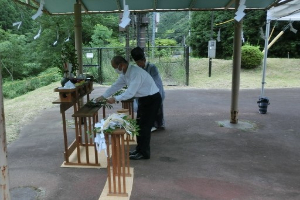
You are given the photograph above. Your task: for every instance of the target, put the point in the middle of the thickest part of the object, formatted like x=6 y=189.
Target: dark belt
x=150 y=96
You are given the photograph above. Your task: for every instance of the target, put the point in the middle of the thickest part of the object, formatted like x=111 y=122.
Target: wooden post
x=4 y=177
x=236 y=70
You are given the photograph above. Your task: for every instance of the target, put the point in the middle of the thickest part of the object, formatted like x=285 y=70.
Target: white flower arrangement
x=116 y=120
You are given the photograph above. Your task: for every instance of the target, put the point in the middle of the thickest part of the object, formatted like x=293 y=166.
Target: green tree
x=101 y=36
x=173 y=25
x=110 y=20
x=11 y=13
x=12 y=56
x=253 y=21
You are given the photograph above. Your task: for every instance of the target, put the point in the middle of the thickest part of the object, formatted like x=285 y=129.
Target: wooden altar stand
x=81 y=152
x=118 y=165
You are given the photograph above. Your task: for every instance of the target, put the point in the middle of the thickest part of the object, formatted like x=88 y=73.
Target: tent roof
x=290 y=11
x=56 y=7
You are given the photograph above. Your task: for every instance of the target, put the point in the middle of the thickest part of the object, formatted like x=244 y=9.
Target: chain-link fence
x=172 y=63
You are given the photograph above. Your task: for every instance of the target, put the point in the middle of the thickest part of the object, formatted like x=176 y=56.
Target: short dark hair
x=137 y=54
x=118 y=60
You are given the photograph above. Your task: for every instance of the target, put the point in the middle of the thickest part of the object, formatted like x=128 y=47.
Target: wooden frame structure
x=85 y=119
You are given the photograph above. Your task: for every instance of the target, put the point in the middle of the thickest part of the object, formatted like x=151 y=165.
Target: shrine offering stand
x=82 y=151
x=118 y=166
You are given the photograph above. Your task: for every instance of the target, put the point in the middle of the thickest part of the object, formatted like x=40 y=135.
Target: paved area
x=195 y=158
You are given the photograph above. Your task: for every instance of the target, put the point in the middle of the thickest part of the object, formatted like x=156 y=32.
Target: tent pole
x=4 y=177
x=78 y=34
x=236 y=69
x=265 y=58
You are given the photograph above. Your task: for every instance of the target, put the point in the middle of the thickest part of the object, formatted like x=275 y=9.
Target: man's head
x=138 y=56
x=119 y=64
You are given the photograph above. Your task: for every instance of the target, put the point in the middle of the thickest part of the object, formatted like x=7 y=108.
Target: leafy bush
x=251 y=57
x=160 y=52
x=31 y=69
x=12 y=89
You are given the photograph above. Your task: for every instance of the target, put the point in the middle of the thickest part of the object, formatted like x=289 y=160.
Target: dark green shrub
x=31 y=69
x=251 y=57
x=12 y=89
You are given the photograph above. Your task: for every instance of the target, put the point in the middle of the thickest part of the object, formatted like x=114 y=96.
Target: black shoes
x=138 y=156
x=131 y=153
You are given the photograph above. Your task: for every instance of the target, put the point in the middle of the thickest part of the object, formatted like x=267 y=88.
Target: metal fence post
x=100 y=65
x=187 y=65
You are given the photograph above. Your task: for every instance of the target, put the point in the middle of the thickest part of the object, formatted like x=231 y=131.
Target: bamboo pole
x=274 y=40
x=234 y=111
x=4 y=177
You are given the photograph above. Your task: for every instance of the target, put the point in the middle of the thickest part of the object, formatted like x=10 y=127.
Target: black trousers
x=159 y=119
x=147 y=110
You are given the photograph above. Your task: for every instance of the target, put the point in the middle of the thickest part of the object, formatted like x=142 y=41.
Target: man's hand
x=99 y=99
x=111 y=100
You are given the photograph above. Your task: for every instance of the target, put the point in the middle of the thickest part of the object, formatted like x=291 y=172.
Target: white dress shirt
x=139 y=84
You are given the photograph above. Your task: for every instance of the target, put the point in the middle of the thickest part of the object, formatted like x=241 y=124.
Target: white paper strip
x=67 y=39
x=17 y=23
x=39 y=33
x=100 y=143
x=39 y=12
x=292 y=28
x=239 y=16
x=57 y=37
x=262 y=35
x=124 y=22
x=243 y=39
x=125 y=19
x=240 y=11
x=219 y=35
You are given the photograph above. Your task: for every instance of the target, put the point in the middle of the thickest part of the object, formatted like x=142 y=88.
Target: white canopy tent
x=287 y=12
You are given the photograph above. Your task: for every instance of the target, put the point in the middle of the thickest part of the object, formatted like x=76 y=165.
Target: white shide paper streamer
x=240 y=12
x=125 y=19
x=17 y=24
x=39 y=12
x=39 y=33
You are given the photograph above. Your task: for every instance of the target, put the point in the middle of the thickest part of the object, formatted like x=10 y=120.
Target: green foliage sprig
x=67 y=55
x=100 y=104
x=120 y=91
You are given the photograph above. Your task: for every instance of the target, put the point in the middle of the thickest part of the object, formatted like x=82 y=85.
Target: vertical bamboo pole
x=4 y=177
x=78 y=40
x=78 y=34
x=236 y=69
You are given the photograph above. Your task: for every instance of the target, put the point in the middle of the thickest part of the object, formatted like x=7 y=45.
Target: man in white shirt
x=139 y=84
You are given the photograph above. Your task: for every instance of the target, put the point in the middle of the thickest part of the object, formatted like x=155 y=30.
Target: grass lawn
x=280 y=73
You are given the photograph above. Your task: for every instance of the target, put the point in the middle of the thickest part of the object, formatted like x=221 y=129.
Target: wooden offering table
x=118 y=166
x=82 y=151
